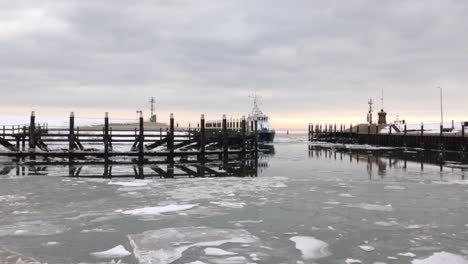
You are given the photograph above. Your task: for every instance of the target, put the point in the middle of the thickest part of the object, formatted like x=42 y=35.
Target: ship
x=265 y=133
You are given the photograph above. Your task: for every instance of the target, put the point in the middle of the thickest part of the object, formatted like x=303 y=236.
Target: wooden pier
x=369 y=134
x=223 y=141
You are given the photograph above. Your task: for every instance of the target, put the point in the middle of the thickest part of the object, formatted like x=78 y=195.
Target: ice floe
x=130 y=184
x=115 y=252
x=442 y=258
x=157 y=246
x=373 y=207
x=394 y=187
x=218 y=252
x=367 y=248
x=408 y=254
x=229 y=204
x=386 y=223
x=352 y=261
x=157 y=210
x=310 y=247
x=32 y=228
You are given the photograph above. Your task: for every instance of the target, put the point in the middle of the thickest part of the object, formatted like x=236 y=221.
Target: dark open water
x=306 y=206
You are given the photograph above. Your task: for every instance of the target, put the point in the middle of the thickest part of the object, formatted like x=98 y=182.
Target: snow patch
x=157 y=210
x=442 y=257
x=373 y=207
x=116 y=252
x=367 y=248
x=310 y=247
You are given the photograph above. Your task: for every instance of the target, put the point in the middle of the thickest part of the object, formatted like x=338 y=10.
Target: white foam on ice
x=373 y=207
x=442 y=258
x=129 y=184
x=11 y=198
x=158 y=246
x=367 y=248
x=310 y=247
x=32 y=228
x=157 y=210
x=352 y=261
x=384 y=223
x=229 y=204
x=218 y=252
x=394 y=187
x=115 y=252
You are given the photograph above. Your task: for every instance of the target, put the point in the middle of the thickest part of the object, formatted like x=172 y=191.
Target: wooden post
x=141 y=140
x=256 y=140
x=441 y=142
x=225 y=140
x=243 y=136
x=421 y=139
x=171 y=139
x=32 y=132
x=368 y=133
x=463 y=141
x=405 y=142
x=106 y=137
x=201 y=157
x=71 y=132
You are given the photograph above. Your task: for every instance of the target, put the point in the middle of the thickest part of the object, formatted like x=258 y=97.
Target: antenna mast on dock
x=153 y=116
x=369 y=114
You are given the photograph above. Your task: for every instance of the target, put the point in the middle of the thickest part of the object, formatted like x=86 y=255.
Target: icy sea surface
x=319 y=207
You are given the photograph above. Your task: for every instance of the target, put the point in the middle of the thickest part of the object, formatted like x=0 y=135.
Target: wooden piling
x=32 y=132
x=171 y=139
x=243 y=136
x=421 y=139
x=141 y=139
x=463 y=141
x=201 y=156
x=106 y=137
x=225 y=140
x=71 y=132
x=256 y=139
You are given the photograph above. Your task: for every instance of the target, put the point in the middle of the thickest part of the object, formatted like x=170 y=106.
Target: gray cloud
x=308 y=58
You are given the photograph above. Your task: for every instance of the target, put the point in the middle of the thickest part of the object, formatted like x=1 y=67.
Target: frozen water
x=383 y=223
x=352 y=261
x=218 y=252
x=159 y=209
x=310 y=247
x=442 y=258
x=115 y=252
x=155 y=247
x=129 y=184
x=252 y=217
x=367 y=248
x=373 y=207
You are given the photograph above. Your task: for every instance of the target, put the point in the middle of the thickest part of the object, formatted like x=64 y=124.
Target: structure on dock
x=222 y=141
x=371 y=135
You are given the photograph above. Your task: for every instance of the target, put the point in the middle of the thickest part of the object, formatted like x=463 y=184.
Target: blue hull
x=265 y=136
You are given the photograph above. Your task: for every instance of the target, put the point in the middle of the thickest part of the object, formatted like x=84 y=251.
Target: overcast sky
x=310 y=60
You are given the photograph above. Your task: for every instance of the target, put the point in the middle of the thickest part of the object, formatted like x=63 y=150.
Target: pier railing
x=37 y=140
x=393 y=138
